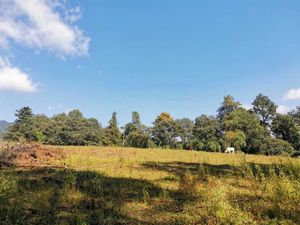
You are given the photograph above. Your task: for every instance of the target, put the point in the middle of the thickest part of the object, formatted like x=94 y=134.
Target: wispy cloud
x=13 y=79
x=283 y=109
x=73 y=15
x=292 y=94
x=42 y=24
x=39 y=25
x=247 y=106
x=54 y=107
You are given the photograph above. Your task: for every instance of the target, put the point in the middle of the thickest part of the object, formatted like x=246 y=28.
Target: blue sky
x=151 y=56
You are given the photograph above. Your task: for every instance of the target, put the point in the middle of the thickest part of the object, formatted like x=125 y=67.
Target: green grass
x=133 y=186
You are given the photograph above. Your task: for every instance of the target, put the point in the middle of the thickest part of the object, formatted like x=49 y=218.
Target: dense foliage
x=61 y=129
x=260 y=130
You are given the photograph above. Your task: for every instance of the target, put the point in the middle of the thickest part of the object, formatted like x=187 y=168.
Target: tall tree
x=207 y=134
x=163 y=131
x=57 y=130
x=135 y=133
x=136 y=120
x=134 y=125
x=22 y=129
x=296 y=115
x=23 y=115
x=40 y=124
x=284 y=127
x=247 y=122
x=112 y=134
x=184 y=129
x=264 y=108
x=73 y=129
x=227 y=106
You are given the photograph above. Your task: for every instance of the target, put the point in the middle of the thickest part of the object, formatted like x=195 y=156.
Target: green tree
x=163 y=131
x=136 y=120
x=22 y=129
x=73 y=129
x=135 y=133
x=284 y=127
x=184 y=130
x=207 y=134
x=112 y=134
x=264 y=108
x=296 y=115
x=40 y=124
x=23 y=115
x=276 y=146
x=92 y=132
x=134 y=125
x=227 y=106
x=62 y=129
x=138 y=140
x=247 y=122
x=57 y=130
x=236 y=139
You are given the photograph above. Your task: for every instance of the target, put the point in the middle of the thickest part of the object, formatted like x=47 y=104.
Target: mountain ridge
x=4 y=125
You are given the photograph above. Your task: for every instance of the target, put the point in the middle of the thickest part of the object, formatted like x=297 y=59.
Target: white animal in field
x=230 y=150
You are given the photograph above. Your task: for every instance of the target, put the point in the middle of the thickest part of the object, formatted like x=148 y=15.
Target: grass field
x=111 y=185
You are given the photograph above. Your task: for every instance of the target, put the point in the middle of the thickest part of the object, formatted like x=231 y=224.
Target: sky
x=176 y=56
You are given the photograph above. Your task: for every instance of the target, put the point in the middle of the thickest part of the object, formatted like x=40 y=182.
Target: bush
x=275 y=146
x=137 y=140
x=210 y=146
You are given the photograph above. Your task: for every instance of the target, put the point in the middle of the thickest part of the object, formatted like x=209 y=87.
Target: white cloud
x=12 y=78
x=41 y=24
x=292 y=94
x=283 y=109
x=73 y=15
x=247 y=106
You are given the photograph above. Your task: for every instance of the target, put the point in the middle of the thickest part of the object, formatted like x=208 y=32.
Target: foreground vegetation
x=112 y=185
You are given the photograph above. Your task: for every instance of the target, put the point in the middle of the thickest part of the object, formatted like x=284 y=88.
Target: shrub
x=275 y=146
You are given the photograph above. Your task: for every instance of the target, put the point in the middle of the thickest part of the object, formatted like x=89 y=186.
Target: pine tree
x=112 y=134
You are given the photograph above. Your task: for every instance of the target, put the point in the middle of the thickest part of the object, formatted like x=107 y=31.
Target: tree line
x=259 y=130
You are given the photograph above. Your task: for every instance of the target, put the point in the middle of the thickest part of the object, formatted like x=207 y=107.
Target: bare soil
x=29 y=155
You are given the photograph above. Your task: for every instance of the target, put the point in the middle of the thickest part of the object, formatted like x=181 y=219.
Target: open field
x=113 y=185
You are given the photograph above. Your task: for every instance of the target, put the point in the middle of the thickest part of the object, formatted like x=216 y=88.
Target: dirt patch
x=29 y=155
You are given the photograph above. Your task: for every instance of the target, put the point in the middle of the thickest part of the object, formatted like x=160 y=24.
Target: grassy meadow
x=114 y=185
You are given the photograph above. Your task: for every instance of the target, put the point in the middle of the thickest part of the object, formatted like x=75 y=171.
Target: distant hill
x=4 y=125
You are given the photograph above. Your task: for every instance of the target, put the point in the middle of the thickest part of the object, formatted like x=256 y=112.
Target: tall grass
x=130 y=186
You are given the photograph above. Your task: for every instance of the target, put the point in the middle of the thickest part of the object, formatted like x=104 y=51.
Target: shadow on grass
x=180 y=168
x=56 y=196
x=65 y=196
x=243 y=170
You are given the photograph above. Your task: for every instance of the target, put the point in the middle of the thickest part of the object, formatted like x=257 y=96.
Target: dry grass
x=110 y=185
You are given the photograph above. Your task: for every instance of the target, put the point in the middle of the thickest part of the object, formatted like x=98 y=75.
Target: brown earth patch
x=29 y=155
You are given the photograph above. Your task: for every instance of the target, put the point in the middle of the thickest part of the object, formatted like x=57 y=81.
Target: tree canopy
x=259 y=130
x=264 y=108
